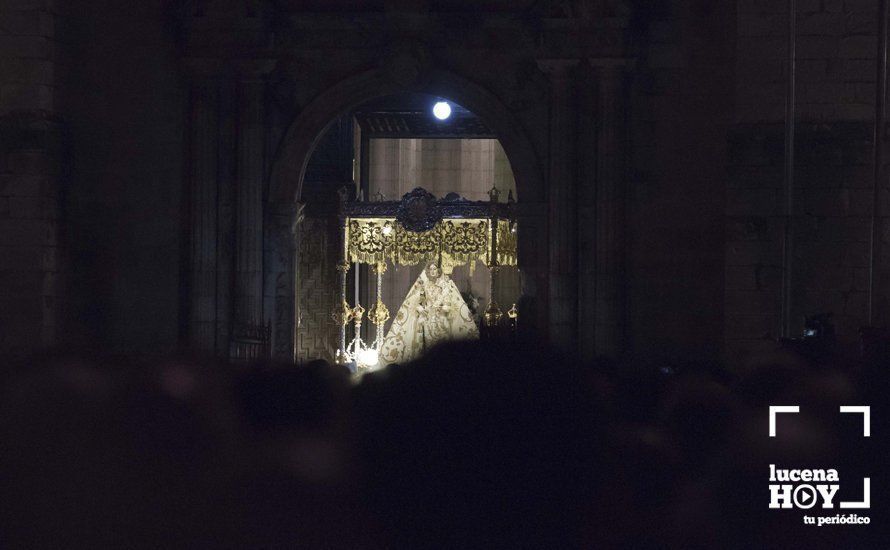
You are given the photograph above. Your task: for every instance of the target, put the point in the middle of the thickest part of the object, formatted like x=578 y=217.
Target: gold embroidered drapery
x=451 y=242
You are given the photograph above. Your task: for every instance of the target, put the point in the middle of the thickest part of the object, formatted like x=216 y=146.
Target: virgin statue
x=432 y=312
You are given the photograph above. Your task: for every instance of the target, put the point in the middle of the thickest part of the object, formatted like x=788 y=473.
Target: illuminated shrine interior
x=407 y=141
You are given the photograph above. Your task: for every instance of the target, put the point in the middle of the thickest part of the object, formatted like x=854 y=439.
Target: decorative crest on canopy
x=418 y=211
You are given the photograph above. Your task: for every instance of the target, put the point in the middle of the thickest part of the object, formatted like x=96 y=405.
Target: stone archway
x=303 y=134
x=289 y=167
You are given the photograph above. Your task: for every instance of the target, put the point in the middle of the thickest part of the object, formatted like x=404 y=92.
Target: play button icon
x=805 y=496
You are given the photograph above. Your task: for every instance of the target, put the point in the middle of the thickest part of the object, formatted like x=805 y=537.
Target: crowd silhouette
x=474 y=445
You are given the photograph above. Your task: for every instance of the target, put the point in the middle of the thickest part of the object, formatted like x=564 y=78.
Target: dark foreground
x=474 y=446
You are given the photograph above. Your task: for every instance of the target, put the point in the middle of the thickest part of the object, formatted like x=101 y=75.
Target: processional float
x=418 y=229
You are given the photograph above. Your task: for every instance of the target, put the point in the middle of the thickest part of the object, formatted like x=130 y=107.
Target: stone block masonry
x=31 y=260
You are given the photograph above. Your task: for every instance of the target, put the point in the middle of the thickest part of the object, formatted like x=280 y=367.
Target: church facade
x=155 y=191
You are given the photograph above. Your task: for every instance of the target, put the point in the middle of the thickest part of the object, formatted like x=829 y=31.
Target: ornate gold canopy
x=420 y=228
x=449 y=243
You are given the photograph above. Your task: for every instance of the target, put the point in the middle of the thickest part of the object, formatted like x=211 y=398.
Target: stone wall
x=124 y=107
x=836 y=48
x=31 y=258
x=91 y=115
x=682 y=106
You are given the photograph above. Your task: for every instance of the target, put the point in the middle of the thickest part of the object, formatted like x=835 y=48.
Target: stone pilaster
x=610 y=270
x=562 y=211
x=280 y=259
x=226 y=205
x=249 y=217
x=203 y=215
x=588 y=113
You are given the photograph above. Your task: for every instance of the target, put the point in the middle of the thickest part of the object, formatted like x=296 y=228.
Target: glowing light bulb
x=368 y=357
x=442 y=110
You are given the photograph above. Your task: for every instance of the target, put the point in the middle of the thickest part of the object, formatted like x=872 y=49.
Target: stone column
x=589 y=113
x=249 y=215
x=280 y=292
x=610 y=269
x=562 y=211
x=226 y=204
x=203 y=214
